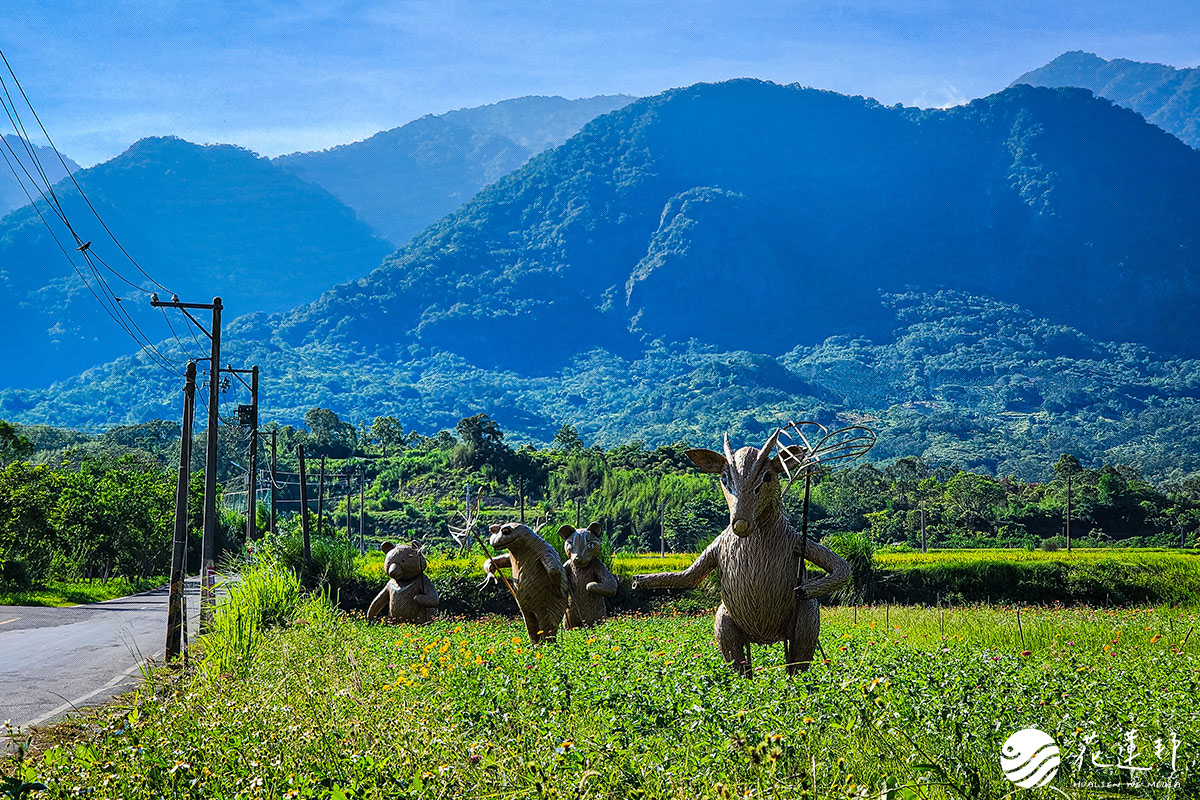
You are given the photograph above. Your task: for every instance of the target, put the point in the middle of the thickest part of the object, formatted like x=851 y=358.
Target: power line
x=71 y=175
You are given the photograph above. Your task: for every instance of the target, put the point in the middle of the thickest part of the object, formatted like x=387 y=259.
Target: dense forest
x=77 y=506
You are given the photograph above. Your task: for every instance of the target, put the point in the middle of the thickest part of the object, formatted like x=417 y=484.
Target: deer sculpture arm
x=837 y=571
x=690 y=578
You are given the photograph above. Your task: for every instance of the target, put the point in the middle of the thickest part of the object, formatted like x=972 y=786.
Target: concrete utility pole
x=248 y=416
x=179 y=543
x=362 y=510
x=306 y=541
x=274 y=485
x=923 y=550
x=208 y=541
x=321 y=498
x=1068 y=513
x=663 y=530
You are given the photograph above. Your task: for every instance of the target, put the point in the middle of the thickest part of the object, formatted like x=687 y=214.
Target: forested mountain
x=728 y=256
x=204 y=221
x=401 y=180
x=1166 y=96
x=16 y=159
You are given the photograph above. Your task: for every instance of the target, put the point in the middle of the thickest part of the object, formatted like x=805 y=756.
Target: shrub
x=859 y=552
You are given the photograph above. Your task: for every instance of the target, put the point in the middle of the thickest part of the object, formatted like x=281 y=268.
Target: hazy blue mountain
x=537 y=123
x=203 y=221
x=16 y=159
x=993 y=283
x=401 y=180
x=1166 y=96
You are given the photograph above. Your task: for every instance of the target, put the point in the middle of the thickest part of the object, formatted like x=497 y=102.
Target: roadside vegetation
x=293 y=699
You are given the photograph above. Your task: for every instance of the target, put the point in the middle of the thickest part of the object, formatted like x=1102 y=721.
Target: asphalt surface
x=53 y=660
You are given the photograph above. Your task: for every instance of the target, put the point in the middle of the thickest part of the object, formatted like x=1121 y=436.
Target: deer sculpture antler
x=824 y=446
x=462 y=533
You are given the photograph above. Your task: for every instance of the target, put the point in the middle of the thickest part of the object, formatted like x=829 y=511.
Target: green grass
x=643 y=706
x=70 y=593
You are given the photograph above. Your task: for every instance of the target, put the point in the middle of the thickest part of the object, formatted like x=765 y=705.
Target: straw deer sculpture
x=765 y=596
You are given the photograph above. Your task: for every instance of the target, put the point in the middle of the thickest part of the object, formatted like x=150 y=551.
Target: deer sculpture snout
x=741 y=527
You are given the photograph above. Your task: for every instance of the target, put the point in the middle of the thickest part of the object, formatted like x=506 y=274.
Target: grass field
x=70 y=593
x=917 y=700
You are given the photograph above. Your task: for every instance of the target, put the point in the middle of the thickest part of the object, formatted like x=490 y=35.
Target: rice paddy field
x=904 y=702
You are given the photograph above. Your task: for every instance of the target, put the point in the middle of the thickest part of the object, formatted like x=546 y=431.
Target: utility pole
x=306 y=542
x=521 y=494
x=179 y=544
x=1068 y=513
x=662 y=530
x=248 y=417
x=321 y=498
x=274 y=485
x=577 y=512
x=923 y=550
x=349 y=495
x=208 y=541
x=362 y=510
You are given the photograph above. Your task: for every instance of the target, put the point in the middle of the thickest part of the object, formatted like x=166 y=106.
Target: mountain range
x=16 y=155
x=1164 y=95
x=401 y=180
x=992 y=283
x=218 y=220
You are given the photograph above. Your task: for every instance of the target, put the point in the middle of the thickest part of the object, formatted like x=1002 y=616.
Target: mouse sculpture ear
x=565 y=531
x=386 y=546
x=595 y=529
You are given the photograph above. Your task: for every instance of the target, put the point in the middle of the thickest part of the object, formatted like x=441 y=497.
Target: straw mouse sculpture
x=539 y=582
x=588 y=579
x=409 y=595
x=764 y=594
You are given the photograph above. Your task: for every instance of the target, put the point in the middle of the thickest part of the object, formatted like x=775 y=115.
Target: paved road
x=56 y=659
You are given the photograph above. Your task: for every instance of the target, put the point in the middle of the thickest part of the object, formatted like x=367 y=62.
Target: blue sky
x=283 y=76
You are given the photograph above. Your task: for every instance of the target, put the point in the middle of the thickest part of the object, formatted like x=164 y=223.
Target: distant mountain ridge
x=1164 y=95
x=203 y=220
x=401 y=180
x=1000 y=281
x=16 y=159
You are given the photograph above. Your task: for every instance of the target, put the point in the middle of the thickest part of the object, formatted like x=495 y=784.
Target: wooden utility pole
x=175 y=620
x=274 y=485
x=321 y=498
x=306 y=541
x=923 y=550
x=209 y=538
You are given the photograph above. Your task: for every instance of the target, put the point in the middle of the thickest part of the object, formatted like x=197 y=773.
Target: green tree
x=387 y=431
x=13 y=446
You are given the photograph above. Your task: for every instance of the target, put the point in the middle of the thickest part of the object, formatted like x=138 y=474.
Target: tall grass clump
x=267 y=594
x=333 y=556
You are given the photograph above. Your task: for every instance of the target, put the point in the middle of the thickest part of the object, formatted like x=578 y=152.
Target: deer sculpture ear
x=792 y=457
x=494 y=529
x=708 y=461
x=595 y=529
x=386 y=546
